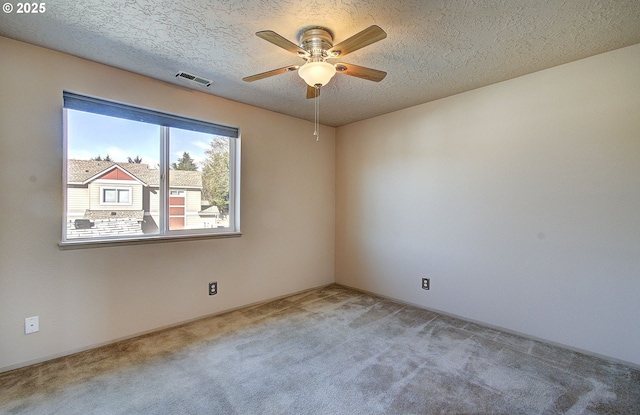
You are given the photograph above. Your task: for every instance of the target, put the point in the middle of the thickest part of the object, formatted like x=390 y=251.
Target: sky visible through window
x=92 y=135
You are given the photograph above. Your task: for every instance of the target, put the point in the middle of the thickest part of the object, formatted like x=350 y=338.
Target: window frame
x=165 y=121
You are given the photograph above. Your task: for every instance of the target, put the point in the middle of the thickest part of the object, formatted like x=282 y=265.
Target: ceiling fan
x=316 y=47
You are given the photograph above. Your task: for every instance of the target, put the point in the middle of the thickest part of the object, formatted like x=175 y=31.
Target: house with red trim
x=106 y=198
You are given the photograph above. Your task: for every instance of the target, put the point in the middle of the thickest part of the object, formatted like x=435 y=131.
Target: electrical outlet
x=31 y=325
x=426 y=283
x=213 y=288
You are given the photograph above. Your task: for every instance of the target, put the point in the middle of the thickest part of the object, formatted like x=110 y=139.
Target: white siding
x=154 y=202
x=194 y=198
x=194 y=221
x=77 y=201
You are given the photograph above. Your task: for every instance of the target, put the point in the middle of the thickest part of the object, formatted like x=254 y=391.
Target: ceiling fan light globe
x=317 y=73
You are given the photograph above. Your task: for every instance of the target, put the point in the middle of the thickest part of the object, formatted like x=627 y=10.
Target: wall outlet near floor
x=213 y=288
x=31 y=325
x=426 y=283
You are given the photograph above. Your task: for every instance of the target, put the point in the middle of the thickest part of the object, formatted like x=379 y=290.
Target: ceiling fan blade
x=368 y=36
x=270 y=73
x=276 y=39
x=360 y=72
x=312 y=92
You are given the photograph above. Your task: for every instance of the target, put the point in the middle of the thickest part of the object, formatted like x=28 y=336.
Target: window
x=134 y=174
x=113 y=196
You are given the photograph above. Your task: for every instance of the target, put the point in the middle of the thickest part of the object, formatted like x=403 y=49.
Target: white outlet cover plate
x=31 y=325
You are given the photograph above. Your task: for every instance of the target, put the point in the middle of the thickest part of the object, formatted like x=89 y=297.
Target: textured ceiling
x=433 y=48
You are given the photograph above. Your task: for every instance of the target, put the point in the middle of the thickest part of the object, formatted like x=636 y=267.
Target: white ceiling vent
x=194 y=78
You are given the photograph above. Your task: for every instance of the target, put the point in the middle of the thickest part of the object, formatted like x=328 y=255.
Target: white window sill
x=88 y=243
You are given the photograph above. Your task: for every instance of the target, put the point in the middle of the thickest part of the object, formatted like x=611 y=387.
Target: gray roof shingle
x=79 y=171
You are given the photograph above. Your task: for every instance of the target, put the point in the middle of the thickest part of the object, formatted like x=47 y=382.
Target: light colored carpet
x=326 y=351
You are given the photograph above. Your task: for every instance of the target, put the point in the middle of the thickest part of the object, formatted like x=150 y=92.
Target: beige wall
x=520 y=200
x=92 y=296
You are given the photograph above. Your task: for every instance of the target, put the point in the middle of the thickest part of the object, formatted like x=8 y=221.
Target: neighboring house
x=210 y=212
x=106 y=198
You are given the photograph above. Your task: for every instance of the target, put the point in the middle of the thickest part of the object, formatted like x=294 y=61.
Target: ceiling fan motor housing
x=316 y=42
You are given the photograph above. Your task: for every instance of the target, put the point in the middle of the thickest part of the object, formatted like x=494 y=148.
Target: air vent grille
x=194 y=78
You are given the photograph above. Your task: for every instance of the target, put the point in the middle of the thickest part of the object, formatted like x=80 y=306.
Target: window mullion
x=164 y=180
x=234 y=185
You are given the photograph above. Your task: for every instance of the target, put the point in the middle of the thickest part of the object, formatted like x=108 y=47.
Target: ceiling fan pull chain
x=317 y=113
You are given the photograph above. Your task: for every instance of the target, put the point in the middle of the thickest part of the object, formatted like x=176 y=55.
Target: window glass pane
x=123 y=196
x=109 y=196
x=198 y=180
x=107 y=153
